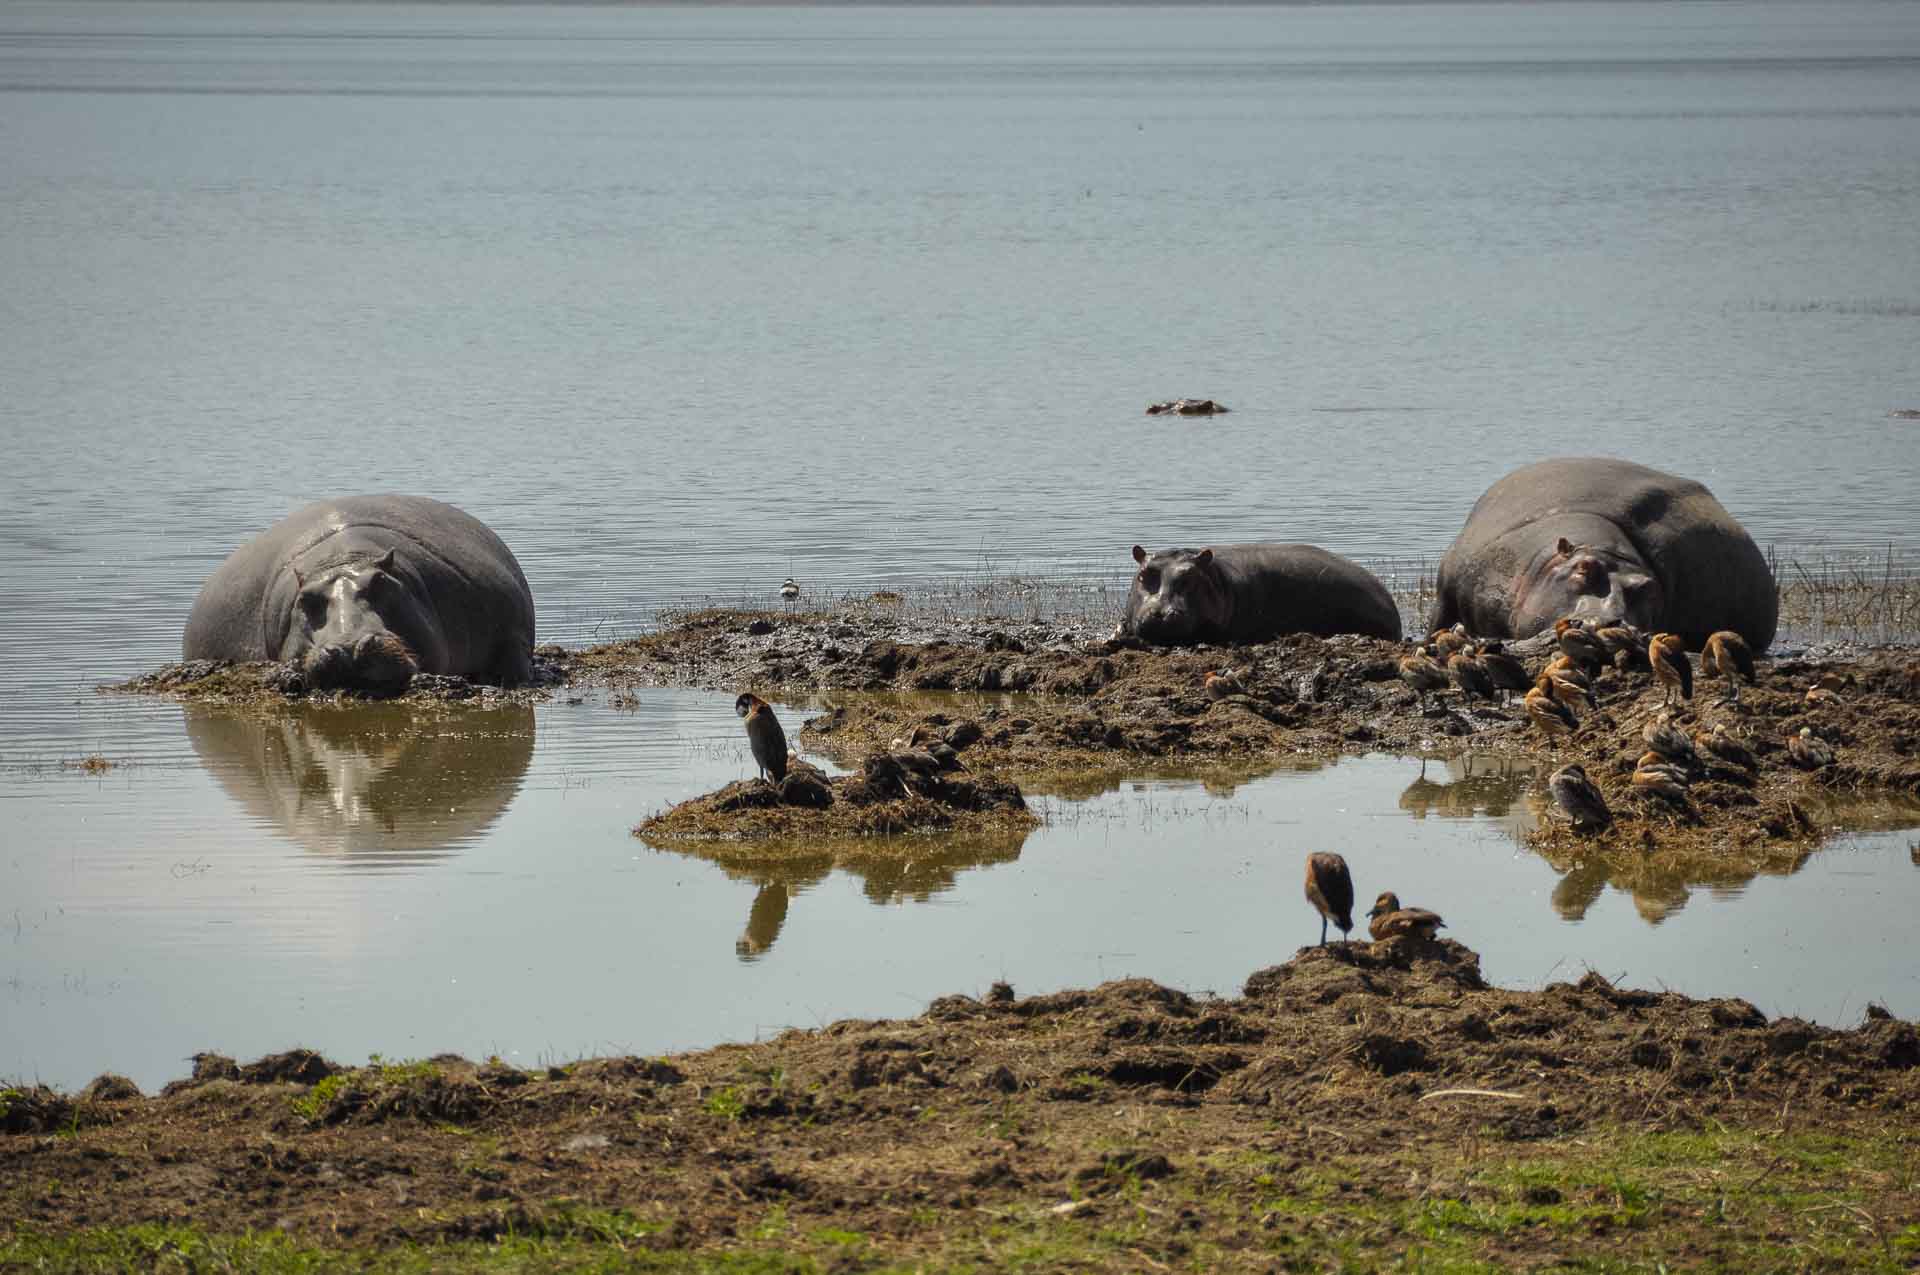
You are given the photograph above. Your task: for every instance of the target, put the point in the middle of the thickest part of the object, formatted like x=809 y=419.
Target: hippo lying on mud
x=1608 y=539
x=366 y=591
x=1249 y=593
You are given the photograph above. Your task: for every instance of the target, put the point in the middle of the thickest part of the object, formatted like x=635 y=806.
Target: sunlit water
x=685 y=299
x=369 y=881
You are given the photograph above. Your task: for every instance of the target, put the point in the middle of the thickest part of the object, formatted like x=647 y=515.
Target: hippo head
x=1177 y=596
x=1592 y=583
x=349 y=627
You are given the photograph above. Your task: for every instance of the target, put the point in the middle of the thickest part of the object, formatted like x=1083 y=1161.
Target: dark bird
x=1668 y=656
x=1506 y=672
x=1470 y=675
x=1807 y=751
x=1580 y=645
x=764 y=736
x=1548 y=713
x=1330 y=890
x=1422 y=673
x=1727 y=747
x=1390 y=920
x=1222 y=683
x=1725 y=654
x=1668 y=740
x=1580 y=798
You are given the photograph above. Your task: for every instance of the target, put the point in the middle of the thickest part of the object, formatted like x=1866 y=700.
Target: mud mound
x=224 y=682
x=885 y=799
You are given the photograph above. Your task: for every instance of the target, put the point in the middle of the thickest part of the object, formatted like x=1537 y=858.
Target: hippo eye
x=1150 y=580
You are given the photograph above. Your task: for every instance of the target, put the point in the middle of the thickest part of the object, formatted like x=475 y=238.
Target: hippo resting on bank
x=1249 y=593
x=366 y=591
x=1607 y=539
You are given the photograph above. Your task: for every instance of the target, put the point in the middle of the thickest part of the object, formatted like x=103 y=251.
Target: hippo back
x=470 y=577
x=1711 y=573
x=1298 y=588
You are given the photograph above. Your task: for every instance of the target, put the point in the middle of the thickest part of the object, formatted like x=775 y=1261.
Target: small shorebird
x=1580 y=798
x=1224 y=682
x=1808 y=751
x=789 y=591
x=1548 y=713
x=1725 y=654
x=1330 y=890
x=1390 y=920
x=1422 y=673
x=1820 y=696
x=1580 y=645
x=1503 y=670
x=764 y=736
x=1668 y=655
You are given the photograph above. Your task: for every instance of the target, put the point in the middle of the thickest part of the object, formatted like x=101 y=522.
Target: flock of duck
x=1452 y=658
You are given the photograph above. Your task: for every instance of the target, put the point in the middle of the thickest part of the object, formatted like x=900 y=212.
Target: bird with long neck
x=764 y=736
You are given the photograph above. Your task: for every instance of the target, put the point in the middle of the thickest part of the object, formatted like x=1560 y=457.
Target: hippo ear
x=384 y=562
x=1204 y=558
x=1564 y=548
x=1139 y=554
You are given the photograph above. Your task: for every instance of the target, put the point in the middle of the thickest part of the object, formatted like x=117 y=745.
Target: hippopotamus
x=1249 y=593
x=365 y=591
x=1610 y=540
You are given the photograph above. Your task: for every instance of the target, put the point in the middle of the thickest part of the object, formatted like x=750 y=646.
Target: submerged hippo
x=366 y=591
x=1249 y=593
x=1608 y=539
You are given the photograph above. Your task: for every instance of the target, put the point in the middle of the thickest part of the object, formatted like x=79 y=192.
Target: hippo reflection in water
x=373 y=784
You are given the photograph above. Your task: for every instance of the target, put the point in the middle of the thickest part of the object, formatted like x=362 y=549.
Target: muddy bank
x=1218 y=1132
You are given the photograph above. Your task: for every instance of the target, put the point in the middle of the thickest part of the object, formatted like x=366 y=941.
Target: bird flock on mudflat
x=1556 y=700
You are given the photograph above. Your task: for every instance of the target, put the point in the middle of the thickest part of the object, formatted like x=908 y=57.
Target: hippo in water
x=1606 y=539
x=1249 y=593
x=366 y=591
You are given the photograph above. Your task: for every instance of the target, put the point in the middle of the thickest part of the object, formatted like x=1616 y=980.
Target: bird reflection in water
x=1472 y=787
x=782 y=879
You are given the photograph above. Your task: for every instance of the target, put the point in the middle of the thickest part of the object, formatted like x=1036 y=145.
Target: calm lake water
x=683 y=300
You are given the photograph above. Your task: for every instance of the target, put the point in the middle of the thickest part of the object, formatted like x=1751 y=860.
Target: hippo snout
x=377 y=662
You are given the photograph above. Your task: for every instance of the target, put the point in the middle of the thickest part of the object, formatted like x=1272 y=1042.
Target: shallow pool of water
x=381 y=880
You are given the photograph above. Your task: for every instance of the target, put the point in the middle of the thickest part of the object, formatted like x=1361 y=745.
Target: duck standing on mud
x=1423 y=673
x=1330 y=890
x=1668 y=655
x=1506 y=673
x=1725 y=655
x=764 y=736
x=1390 y=920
